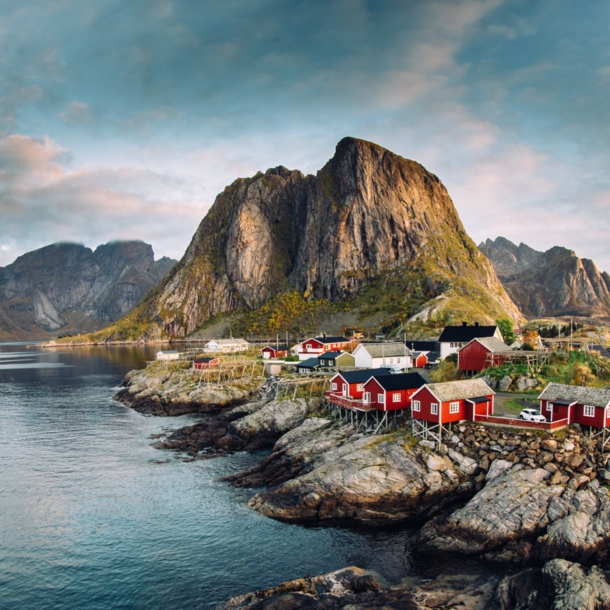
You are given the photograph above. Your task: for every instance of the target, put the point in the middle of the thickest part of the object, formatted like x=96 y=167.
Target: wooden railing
x=349 y=403
x=520 y=423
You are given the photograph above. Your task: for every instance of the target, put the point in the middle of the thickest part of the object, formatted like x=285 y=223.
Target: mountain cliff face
x=326 y=236
x=70 y=287
x=551 y=283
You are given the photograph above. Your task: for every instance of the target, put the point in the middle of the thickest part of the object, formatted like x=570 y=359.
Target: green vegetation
x=571 y=368
x=507 y=330
x=446 y=371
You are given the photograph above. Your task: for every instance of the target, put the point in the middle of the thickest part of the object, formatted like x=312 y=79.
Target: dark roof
x=332 y=355
x=204 y=359
x=331 y=339
x=279 y=347
x=402 y=381
x=478 y=399
x=565 y=403
x=310 y=363
x=433 y=356
x=423 y=346
x=463 y=334
x=364 y=375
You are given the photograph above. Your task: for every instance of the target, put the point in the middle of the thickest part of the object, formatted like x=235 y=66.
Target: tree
x=506 y=328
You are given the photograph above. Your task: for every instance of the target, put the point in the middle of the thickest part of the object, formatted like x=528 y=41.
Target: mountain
x=369 y=229
x=71 y=288
x=551 y=283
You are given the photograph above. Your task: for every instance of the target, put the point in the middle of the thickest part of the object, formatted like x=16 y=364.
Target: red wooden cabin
x=481 y=353
x=201 y=364
x=351 y=384
x=280 y=351
x=319 y=345
x=577 y=404
x=391 y=392
x=419 y=359
x=442 y=403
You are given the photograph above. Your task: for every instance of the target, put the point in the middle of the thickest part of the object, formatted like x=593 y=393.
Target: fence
x=521 y=423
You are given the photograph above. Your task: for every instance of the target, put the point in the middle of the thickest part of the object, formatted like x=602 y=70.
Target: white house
x=380 y=355
x=227 y=345
x=171 y=354
x=453 y=338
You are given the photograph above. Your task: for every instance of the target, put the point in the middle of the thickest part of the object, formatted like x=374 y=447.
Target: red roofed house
x=391 y=392
x=481 y=353
x=315 y=346
x=577 y=404
x=280 y=351
x=351 y=384
x=443 y=403
x=200 y=364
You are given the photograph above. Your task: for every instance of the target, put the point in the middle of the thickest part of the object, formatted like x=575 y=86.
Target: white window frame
x=454 y=407
x=396 y=397
x=381 y=399
x=308 y=346
x=588 y=410
x=434 y=408
x=416 y=405
x=391 y=360
x=360 y=387
x=366 y=398
x=334 y=386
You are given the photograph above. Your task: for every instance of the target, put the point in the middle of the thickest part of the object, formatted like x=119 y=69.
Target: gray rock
x=465 y=464
x=505 y=383
x=498 y=468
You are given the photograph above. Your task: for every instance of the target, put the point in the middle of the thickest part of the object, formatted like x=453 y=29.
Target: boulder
x=505 y=383
x=498 y=468
x=465 y=464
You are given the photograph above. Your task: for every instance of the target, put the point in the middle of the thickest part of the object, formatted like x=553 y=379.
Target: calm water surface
x=92 y=517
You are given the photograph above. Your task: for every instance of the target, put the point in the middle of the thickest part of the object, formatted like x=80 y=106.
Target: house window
x=367 y=397
x=454 y=407
x=589 y=411
x=360 y=387
x=380 y=398
x=434 y=408
x=416 y=405
x=308 y=346
x=391 y=360
x=398 y=361
x=396 y=397
x=334 y=386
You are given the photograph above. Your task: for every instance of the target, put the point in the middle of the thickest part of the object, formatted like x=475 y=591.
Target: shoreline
x=525 y=501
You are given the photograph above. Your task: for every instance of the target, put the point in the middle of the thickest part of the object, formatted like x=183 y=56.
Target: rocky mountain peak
x=327 y=236
x=552 y=283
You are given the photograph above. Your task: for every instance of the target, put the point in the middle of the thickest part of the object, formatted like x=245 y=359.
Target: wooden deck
x=355 y=404
x=493 y=420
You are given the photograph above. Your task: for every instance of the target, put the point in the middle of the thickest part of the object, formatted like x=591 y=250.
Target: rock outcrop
x=71 y=288
x=559 y=585
x=322 y=471
x=551 y=283
x=367 y=211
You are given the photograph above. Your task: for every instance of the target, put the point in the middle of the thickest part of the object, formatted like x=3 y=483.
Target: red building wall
x=340 y=383
x=473 y=357
x=199 y=366
x=420 y=361
x=465 y=409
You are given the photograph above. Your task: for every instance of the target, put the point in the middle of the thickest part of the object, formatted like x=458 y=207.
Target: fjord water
x=93 y=517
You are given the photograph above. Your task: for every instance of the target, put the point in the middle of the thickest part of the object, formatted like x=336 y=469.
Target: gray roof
x=458 y=390
x=385 y=350
x=492 y=344
x=310 y=363
x=596 y=397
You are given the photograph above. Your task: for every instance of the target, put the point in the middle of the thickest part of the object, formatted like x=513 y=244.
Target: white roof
x=596 y=397
x=384 y=350
x=459 y=390
x=169 y=351
x=491 y=343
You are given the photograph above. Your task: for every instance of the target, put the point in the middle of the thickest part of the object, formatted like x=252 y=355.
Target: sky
x=124 y=120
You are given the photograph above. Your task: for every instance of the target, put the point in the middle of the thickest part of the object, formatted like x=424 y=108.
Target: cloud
x=77 y=113
x=43 y=201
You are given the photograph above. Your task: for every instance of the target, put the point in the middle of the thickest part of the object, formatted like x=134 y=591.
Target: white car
x=532 y=415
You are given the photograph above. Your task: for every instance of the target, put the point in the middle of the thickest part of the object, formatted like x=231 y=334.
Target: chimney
x=464 y=323
x=323 y=335
x=476 y=323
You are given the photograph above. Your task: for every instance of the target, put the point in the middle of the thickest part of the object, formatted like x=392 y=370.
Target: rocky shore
x=163 y=391
x=558 y=585
x=527 y=499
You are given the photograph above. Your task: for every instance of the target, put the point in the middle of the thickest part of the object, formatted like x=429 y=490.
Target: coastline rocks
x=521 y=516
x=510 y=507
x=243 y=428
x=322 y=471
x=168 y=393
x=559 y=585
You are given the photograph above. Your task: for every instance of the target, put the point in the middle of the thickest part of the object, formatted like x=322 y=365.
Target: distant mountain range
x=551 y=283
x=372 y=238
x=66 y=288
